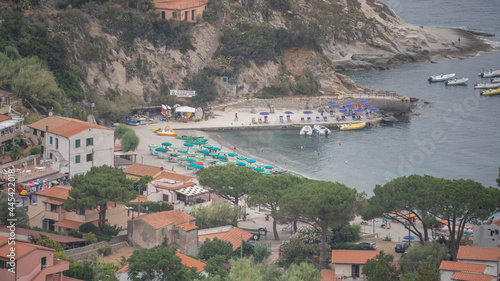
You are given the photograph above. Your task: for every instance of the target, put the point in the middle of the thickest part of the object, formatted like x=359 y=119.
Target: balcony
x=179 y=5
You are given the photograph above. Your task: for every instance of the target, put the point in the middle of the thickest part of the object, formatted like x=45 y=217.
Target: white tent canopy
x=185 y=109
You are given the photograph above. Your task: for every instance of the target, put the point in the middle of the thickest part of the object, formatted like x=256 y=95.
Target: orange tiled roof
x=54 y=202
x=64 y=126
x=73 y=224
x=161 y=219
x=4 y=117
x=187 y=226
x=471 y=277
x=166 y=174
x=117 y=147
x=352 y=256
x=478 y=253
x=123 y=269
x=59 y=192
x=175 y=187
x=190 y=262
x=141 y=170
x=23 y=247
x=235 y=236
x=328 y=275
x=462 y=266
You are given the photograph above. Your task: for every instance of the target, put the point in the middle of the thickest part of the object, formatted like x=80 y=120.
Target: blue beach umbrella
x=241 y=164
x=363 y=101
x=241 y=157
x=192 y=164
x=182 y=150
x=220 y=163
x=233 y=154
x=411 y=237
x=264 y=113
x=349 y=105
x=308 y=112
x=199 y=156
x=232 y=161
x=332 y=102
x=153 y=145
x=182 y=157
x=198 y=167
x=267 y=173
x=259 y=169
x=343 y=110
x=188 y=144
x=335 y=106
x=269 y=167
x=199 y=143
x=288 y=112
x=208 y=146
x=191 y=153
x=209 y=160
x=250 y=160
x=204 y=151
x=212 y=154
x=358 y=110
x=174 y=147
x=373 y=109
x=166 y=144
x=161 y=149
x=215 y=148
x=367 y=105
x=221 y=157
x=190 y=160
x=196 y=147
x=348 y=102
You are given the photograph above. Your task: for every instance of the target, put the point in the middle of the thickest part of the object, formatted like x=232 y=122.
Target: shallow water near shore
x=455 y=136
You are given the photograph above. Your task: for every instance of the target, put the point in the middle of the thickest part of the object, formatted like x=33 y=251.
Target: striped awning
x=192 y=190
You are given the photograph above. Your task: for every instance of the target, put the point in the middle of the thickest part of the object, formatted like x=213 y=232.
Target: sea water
x=454 y=136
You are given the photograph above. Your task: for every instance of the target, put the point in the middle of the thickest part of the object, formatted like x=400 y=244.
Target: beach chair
x=288 y=118
x=260 y=120
x=266 y=120
x=281 y=119
x=331 y=113
x=325 y=119
x=302 y=119
x=253 y=120
x=309 y=118
x=343 y=118
x=317 y=118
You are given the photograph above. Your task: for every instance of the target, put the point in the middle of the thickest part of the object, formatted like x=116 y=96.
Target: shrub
x=387 y=238
x=260 y=251
x=280 y=5
x=88 y=227
x=90 y=237
x=296 y=251
x=35 y=150
x=104 y=250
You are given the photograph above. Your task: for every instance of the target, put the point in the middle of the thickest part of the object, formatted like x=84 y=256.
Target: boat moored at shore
x=355 y=126
x=321 y=130
x=306 y=131
x=491 y=73
x=486 y=85
x=491 y=92
x=456 y=82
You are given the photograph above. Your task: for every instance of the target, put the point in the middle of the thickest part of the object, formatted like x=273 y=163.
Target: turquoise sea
x=455 y=135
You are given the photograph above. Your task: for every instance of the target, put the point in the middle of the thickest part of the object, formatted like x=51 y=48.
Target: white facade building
x=73 y=146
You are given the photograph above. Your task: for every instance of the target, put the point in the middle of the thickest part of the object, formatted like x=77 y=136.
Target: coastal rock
x=389 y=119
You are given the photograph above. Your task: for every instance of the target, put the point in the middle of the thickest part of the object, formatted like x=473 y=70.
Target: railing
x=183 y=6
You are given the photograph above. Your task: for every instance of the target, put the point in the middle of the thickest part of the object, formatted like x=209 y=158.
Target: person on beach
x=236 y=116
x=234 y=147
x=459 y=40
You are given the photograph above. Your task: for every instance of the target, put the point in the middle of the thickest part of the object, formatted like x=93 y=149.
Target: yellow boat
x=355 y=126
x=167 y=132
x=491 y=92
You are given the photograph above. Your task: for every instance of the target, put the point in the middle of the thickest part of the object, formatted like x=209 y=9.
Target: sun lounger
x=281 y=119
x=302 y=119
x=317 y=118
x=288 y=118
x=331 y=112
x=325 y=119
x=266 y=120
x=253 y=120
x=309 y=118
x=260 y=120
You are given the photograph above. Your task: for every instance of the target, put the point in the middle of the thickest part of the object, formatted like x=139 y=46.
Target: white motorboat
x=486 y=85
x=321 y=130
x=455 y=82
x=306 y=131
x=441 y=77
x=491 y=73
x=495 y=80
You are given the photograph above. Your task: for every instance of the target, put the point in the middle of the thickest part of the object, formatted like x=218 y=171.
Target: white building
x=487 y=235
x=73 y=146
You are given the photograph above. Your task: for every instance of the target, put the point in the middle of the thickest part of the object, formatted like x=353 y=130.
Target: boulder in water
x=389 y=119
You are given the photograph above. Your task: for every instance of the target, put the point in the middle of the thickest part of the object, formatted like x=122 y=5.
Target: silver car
x=371 y=243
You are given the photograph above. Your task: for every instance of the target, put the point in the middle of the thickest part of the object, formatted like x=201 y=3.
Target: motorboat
x=355 y=126
x=495 y=80
x=306 y=131
x=491 y=92
x=486 y=85
x=167 y=131
x=321 y=130
x=456 y=82
x=441 y=77
x=491 y=73
x=131 y=121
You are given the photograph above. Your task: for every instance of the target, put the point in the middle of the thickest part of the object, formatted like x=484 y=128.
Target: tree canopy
x=431 y=253
x=381 y=268
x=7 y=207
x=322 y=205
x=96 y=188
x=267 y=192
x=217 y=214
x=158 y=263
x=230 y=182
x=130 y=141
x=216 y=247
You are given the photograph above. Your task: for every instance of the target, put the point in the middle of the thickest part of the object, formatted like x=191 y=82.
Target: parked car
x=401 y=247
x=370 y=243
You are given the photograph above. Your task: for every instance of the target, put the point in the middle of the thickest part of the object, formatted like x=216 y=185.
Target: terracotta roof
x=328 y=275
x=497 y=222
x=141 y=170
x=186 y=184
x=73 y=224
x=462 y=266
x=54 y=202
x=234 y=236
x=123 y=269
x=471 y=277
x=190 y=262
x=66 y=278
x=166 y=174
x=59 y=192
x=56 y=237
x=478 y=253
x=352 y=256
x=161 y=219
x=22 y=248
x=64 y=126
x=4 y=117
x=187 y=226
x=117 y=147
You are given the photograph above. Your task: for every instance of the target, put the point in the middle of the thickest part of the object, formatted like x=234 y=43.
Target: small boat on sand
x=491 y=92
x=306 y=131
x=441 y=77
x=167 y=131
x=456 y=82
x=491 y=73
x=486 y=85
x=131 y=121
x=355 y=126
x=321 y=130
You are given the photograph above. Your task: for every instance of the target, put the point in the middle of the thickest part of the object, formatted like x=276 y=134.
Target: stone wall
x=91 y=250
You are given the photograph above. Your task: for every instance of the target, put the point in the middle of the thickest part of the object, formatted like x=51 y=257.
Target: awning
x=54 y=202
x=185 y=109
x=192 y=190
x=69 y=224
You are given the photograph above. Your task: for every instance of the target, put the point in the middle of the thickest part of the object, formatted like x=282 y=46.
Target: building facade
x=183 y=10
